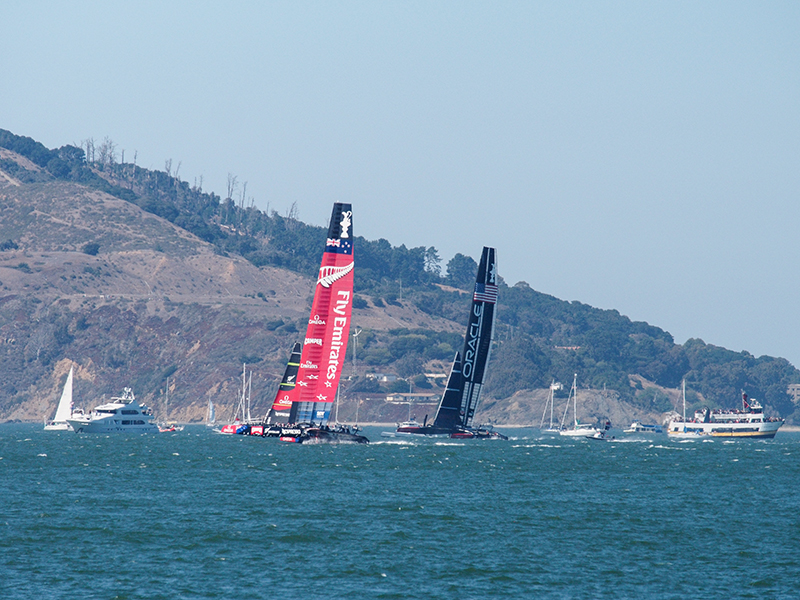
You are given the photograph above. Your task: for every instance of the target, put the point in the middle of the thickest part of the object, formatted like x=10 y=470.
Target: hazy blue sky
x=640 y=156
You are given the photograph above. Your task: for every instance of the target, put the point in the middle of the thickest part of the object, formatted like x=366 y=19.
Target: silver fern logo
x=328 y=275
x=346 y=223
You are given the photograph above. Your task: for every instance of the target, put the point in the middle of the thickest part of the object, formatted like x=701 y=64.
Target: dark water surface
x=199 y=515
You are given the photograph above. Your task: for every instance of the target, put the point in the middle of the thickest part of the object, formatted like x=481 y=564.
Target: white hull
x=63 y=426
x=109 y=426
x=579 y=432
x=767 y=429
x=640 y=429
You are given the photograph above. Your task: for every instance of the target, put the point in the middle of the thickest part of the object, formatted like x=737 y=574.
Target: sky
x=638 y=156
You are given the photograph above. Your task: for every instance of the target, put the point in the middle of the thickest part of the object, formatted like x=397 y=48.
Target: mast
x=573 y=395
x=575 y=400
x=249 y=390
x=244 y=390
x=683 y=386
x=550 y=400
x=325 y=344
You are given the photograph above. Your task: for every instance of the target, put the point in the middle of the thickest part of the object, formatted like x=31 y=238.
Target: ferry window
x=126 y=422
x=130 y=412
x=138 y=422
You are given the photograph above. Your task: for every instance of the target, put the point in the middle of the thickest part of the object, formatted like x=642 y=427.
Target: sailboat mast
x=575 y=399
x=683 y=386
x=249 y=390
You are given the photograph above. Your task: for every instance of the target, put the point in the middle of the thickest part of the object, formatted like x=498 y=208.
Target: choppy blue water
x=199 y=515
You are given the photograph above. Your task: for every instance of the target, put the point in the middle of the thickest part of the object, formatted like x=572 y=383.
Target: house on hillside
x=412 y=398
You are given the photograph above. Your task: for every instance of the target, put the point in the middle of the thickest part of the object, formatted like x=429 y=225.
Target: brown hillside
x=155 y=300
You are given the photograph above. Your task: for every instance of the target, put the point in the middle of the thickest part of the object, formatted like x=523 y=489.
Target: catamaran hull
x=458 y=434
x=324 y=436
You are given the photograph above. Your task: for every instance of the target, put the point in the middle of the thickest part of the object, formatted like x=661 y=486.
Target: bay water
x=195 y=514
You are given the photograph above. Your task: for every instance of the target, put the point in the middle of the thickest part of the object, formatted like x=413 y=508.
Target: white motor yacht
x=122 y=414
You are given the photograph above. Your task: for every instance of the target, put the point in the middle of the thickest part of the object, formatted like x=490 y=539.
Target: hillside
x=135 y=276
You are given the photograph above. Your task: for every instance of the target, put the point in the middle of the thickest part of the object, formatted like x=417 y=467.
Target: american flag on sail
x=485 y=292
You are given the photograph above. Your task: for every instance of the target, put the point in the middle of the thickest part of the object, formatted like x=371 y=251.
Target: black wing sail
x=447 y=415
x=480 y=330
x=281 y=407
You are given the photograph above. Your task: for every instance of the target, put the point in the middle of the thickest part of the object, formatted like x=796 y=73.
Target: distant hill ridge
x=167 y=252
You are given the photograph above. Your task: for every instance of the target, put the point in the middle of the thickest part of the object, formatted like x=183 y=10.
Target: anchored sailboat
x=552 y=428
x=241 y=426
x=64 y=409
x=578 y=429
x=211 y=419
x=460 y=398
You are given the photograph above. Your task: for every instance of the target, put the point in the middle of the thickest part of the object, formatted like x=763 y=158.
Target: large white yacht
x=122 y=414
x=749 y=422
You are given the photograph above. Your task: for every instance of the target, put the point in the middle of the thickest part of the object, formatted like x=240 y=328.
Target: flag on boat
x=485 y=292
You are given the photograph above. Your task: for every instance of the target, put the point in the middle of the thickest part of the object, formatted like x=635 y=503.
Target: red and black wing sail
x=325 y=344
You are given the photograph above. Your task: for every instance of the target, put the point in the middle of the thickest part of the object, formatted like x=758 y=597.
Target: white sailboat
x=210 y=417
x=552 y=428
x=578 y=429
x=64 y=409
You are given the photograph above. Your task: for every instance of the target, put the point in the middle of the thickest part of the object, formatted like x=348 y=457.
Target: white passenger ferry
x=748 y=422
x=122 y=414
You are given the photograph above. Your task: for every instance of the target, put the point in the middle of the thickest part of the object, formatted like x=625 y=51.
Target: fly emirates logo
x=338 y=336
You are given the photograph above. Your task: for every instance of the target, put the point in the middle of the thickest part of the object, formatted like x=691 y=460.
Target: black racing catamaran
x=460 y=398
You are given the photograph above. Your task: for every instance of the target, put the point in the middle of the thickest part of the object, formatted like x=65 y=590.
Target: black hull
x=304 y=434
x=317 y=435
x=454 y=433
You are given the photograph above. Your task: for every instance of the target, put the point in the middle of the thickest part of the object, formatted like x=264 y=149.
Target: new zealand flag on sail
x=339 y=246
x=340 y=231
